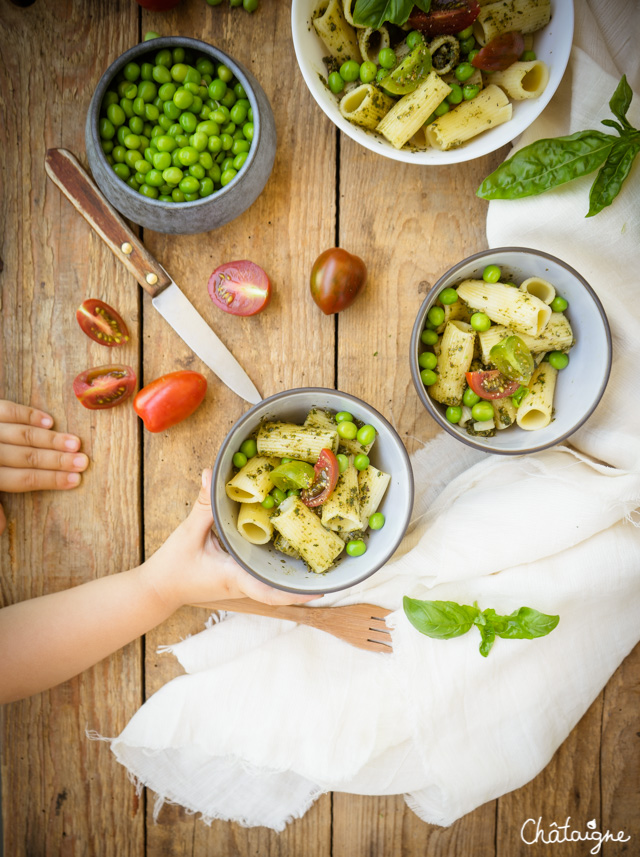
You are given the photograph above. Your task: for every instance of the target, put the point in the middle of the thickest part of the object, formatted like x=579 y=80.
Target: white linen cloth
x=270 y=715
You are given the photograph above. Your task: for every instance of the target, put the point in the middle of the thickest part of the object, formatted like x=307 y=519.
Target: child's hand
x=192 y=568
x=32 y=457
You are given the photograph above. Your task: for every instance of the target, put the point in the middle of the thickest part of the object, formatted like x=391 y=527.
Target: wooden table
x=65 y=795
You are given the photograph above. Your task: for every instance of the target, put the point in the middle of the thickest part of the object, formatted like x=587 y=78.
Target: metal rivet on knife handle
x=152 y=279
x=127 y=249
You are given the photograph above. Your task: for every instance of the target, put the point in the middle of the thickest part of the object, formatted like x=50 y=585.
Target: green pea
x=148 y=191
x=442 y=108
x=381 y=74
x=249 y=5
x=107 y=146
x=131 y=71
x=164 y=122
x=467 y=45
x=116 y=115
x=227 y=142
x=436 y=315
x=469 y=398
x=377 y=521
x=247 y=130
x=343 y=462
x=482 y=411
x=172 y=175
x=350 y=70
x=106 y=129
x=171 y=110
x=209 y=127
x=428 y=337
x=197 y=171
x=414 y=38
x=132 y=156
x=133 y=183
x=240 y=146
x=239 y=459
x=241 y=92
x=453 y=414
x=227 y=164
x=366 y=435
x=199 y=141
x=189 y=184
x=151 y=112
x=122 y=170
x=161 y=75
x=356 y=547
x=343 y=416
x=491 y=274
x=558 y=359
x=191 y=197
x=559 y=304
x=278 y=495
x=205 y=66
x=448 y=296
x=239 y=160
x=146 y=69
x=154 y=178
x=268 y=502
x=464 y=71
x=368 y=71
x=249 y=447
x=472 y=55
x=228 y=176
x=206 y=186
x=428 y=377
x=178 y=54
x=177 y=195
x=293 y=492
x=150 y=34
x=132 y=141
x=118 y=154
x=480 y=321
x=229 y=99
x=528 y=56
x=214 y=145
x=136 y=125
x=387 y=58
x=470 y=90
x=111 y=97
x=188 y=156
x=285 y=460
x=225 y=73
x=347 y=429
x=455 y=96
x=179 y=72
x=167 y=91
x=183 y=99
x=147 y=91
x=182 y=140
x=164 y=57
x=427 y=360
x=165 y=143
x=464 y=34
x=361 y=462
x=238 y=113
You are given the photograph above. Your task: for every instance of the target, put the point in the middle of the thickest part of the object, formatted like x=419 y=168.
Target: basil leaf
x=609 y=180
x=547 y=164
x=523 y=624
x=373 y=13
x=439 y=619
x=488 y=634
x=611 y=123
x=620 y=101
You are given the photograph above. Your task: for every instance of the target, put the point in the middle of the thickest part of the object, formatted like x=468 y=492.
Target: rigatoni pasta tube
x=320 y=418
x=536 y=409
x=557 y=336
x=371 y=42
x=252 y=483
x=338 y=36
x=413 y=110
x=489 y=108
x=454 y=360
x=303 y=531
x=525 y=16
x=539 y=288
x=365 y=105
x=523 y=80
x=341 y=510
x=372 y=484
x=514 y=308
x=254 y=523
x=504 y=412
x=293 y=441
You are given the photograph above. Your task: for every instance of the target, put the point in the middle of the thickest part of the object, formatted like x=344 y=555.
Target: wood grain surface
x=61 y=793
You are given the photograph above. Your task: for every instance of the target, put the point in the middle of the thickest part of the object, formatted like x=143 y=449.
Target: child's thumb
x=201 y=514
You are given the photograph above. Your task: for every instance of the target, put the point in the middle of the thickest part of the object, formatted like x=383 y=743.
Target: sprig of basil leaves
x=444 y=620
x=551 y=162
x=374 y=13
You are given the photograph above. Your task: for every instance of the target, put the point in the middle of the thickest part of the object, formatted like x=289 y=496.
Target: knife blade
x=65 y=172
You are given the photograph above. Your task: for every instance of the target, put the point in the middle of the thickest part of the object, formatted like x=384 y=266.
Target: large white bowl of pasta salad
x=312 y=490
x=435 y=109
x=511 y=351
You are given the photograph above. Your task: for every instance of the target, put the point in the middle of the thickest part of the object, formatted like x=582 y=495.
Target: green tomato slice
x=513 y=359
x=410 y=73
x=292 y=475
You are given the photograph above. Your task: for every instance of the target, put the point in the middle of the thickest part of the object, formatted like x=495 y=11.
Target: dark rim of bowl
x=193 y=44
x=419 y=325
x=246 y=418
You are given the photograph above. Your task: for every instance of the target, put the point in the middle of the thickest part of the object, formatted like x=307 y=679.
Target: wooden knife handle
x=65 y=171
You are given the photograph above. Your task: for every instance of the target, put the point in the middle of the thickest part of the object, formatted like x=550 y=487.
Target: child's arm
x=48 y=640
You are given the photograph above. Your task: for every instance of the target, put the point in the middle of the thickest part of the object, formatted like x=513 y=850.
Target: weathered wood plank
x=294 y=215
x=62 y=794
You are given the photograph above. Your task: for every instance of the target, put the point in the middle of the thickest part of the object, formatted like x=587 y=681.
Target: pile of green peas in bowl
x=176 y=127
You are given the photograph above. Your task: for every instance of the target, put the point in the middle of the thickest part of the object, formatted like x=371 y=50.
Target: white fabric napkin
x=270 y=715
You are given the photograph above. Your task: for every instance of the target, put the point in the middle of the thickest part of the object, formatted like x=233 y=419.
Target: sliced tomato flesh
x=327 y=471
x=240 y=288
x=104 y=386
x=445 y=18
x=102 y=323
x=491 y=384
x=499 y=53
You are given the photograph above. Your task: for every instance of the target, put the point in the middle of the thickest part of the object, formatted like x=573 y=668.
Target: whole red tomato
x=337 y=278
x=170 y=399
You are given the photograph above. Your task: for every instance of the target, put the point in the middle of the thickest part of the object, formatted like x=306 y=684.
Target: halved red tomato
x=491 y=384
x=445 y=17
x=241 y=288
x=170 y=399
x=104 y=386
x=500 y=52
x=102 y=323
x=327 y=471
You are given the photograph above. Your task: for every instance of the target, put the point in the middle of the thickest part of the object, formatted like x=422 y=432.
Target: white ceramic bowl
x=552 y=45
x=387 y=454
x=579 y=387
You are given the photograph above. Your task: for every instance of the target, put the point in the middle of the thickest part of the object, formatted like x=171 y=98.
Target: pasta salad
x=493 y=350
x=426 y=90
x=309 y=489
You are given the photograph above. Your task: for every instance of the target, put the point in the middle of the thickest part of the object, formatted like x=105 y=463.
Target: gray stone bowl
x=201 y=215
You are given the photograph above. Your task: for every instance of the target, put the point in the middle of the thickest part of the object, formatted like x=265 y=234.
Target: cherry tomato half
x=500 y=52
x=241 y=288
x=491 y=385
x=104 y=386
x=101 y=323
x=170 y=399
x=327 y=470
x=445 y=17
x=337 y=278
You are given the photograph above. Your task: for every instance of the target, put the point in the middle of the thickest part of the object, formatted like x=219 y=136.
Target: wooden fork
x=362 y=625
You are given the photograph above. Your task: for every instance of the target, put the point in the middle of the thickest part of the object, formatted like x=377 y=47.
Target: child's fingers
x=201 y=516
x=11 y=412
x=25 y=435
x=41 y=459
x=17 y=480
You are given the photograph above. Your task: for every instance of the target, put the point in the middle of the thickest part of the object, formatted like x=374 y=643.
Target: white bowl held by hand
x=387 y=454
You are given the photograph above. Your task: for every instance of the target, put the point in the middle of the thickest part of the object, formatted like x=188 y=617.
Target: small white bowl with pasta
x=511 y=351
x=471 y=129
x=285 y=542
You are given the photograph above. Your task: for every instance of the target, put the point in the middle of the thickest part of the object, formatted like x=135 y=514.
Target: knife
x=65 y=171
